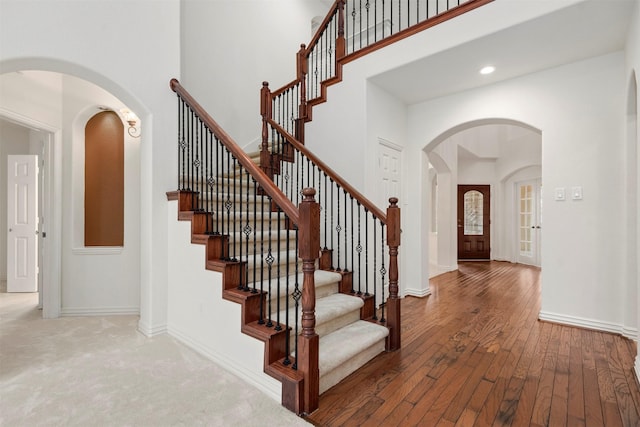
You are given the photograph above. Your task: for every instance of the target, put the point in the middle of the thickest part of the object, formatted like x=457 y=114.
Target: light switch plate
x=559 y=194
x=576 y=193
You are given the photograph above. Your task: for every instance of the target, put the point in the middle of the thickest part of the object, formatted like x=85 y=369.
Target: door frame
x=50 y=247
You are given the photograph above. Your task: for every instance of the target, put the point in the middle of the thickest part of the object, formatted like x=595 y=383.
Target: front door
x=22 y=223
x=473 y=222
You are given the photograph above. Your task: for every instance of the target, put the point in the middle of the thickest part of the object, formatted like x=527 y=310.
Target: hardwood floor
x=474 y=354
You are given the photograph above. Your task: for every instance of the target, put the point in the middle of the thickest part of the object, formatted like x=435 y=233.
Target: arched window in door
x=104 y=181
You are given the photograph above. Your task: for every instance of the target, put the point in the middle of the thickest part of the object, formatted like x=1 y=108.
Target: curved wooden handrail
x=258 y=174
x=377 y=212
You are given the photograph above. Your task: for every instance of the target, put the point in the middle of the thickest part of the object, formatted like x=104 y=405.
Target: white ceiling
x=588 y=29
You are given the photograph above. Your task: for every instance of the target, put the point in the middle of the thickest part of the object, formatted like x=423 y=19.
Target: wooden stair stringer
x=274 y=341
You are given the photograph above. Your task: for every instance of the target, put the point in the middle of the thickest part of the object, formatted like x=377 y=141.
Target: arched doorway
x=81 y=99
x=492 y=152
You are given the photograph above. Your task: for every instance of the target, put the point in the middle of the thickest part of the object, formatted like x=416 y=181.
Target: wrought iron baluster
x=375 y=275
x=287 y=337
x=255 y=241
x=247 y=231
x=331 y=216
x=278 y=325
x=346 y=252
x=383 y=271
x=326 y=208
x=338 y=229
x=296 y=298
x=262 y=311
x=352 y=246
x=217 y=179
x=269 y=260
x=366 y=252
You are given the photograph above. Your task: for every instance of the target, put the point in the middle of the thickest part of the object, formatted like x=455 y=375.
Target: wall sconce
x=132 y=119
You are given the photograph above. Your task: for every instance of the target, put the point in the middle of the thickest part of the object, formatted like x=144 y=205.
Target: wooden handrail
x=377 y=212
x=322 y=27
x=258 y=174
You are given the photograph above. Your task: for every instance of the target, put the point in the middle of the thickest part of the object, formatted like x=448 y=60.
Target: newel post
x=340 y=41
x=302 y=69
x=265 y=112
x=308 y=340
x=393 y=303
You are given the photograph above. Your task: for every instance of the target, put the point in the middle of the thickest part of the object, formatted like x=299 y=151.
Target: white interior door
x=529 y=235
x=390 y=167
x=22 y=223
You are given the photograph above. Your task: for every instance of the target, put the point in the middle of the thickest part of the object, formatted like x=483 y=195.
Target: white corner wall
x=578 y=108
x=131 y=50
x=199 y=317
x=230 y=47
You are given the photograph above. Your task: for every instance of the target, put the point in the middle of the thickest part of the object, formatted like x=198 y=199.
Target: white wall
x=578 y=108
x=132 y=50
x=199 y=316
x=230 y=47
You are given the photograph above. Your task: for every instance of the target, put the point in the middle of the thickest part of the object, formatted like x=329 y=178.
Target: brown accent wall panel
x=104 y=181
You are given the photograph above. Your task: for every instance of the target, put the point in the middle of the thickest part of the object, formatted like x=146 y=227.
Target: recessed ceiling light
x=488 y=69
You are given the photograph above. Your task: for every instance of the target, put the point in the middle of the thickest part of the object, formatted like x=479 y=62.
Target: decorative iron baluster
x=366 y=252
x=338 y=229
x=346 y=246
x=269 y=260
x=296 y=298
x=383 y=271
x=287 y=337
x=255 y=240
x=247 y=231
x=278 y=325
x=261 y=321
x=375 y=284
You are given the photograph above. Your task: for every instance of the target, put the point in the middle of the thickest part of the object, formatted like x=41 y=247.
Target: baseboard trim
x=417 y=292
x=275 y=392
x=582 y=322
x=99 y=311
x=636 y=369
x=151 y=331
x=631 y=333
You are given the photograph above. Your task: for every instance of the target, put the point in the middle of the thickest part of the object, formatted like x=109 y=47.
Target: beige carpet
x=98 y=371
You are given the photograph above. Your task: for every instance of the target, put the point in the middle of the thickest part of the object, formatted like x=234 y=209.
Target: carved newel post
x=308 y=250
x=393 y=303
x=265 y=112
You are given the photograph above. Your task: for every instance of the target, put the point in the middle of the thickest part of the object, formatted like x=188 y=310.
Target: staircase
x=301 y=251
x=346 y=340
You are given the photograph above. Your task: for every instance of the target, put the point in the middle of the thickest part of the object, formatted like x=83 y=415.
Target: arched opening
x=64 y=248
x=500 y=153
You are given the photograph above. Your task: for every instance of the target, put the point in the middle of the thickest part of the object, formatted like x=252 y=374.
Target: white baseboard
x=417 y=292
x=272 y=389
x=99 y=311
x=636 y=367
x=151 y=331
x=631 y=333
x=588 y=323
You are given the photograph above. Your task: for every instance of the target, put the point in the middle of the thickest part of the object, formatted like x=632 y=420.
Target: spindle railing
x=351 y=29
x=256 y=229
x=353 y=230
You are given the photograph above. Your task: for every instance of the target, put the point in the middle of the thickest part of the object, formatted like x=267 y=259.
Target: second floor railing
x=351 y=29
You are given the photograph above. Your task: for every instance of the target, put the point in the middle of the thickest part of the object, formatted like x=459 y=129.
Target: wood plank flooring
x=474 y=354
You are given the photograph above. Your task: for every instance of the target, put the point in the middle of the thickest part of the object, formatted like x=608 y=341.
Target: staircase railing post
x=340 y=41
x=302 y=66
x=265 y=112
x=393 y=303
x=308 y=341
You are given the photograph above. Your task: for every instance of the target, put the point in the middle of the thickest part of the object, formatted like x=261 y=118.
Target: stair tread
x=330 y=307
x=341 y=345
x=321 y=278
